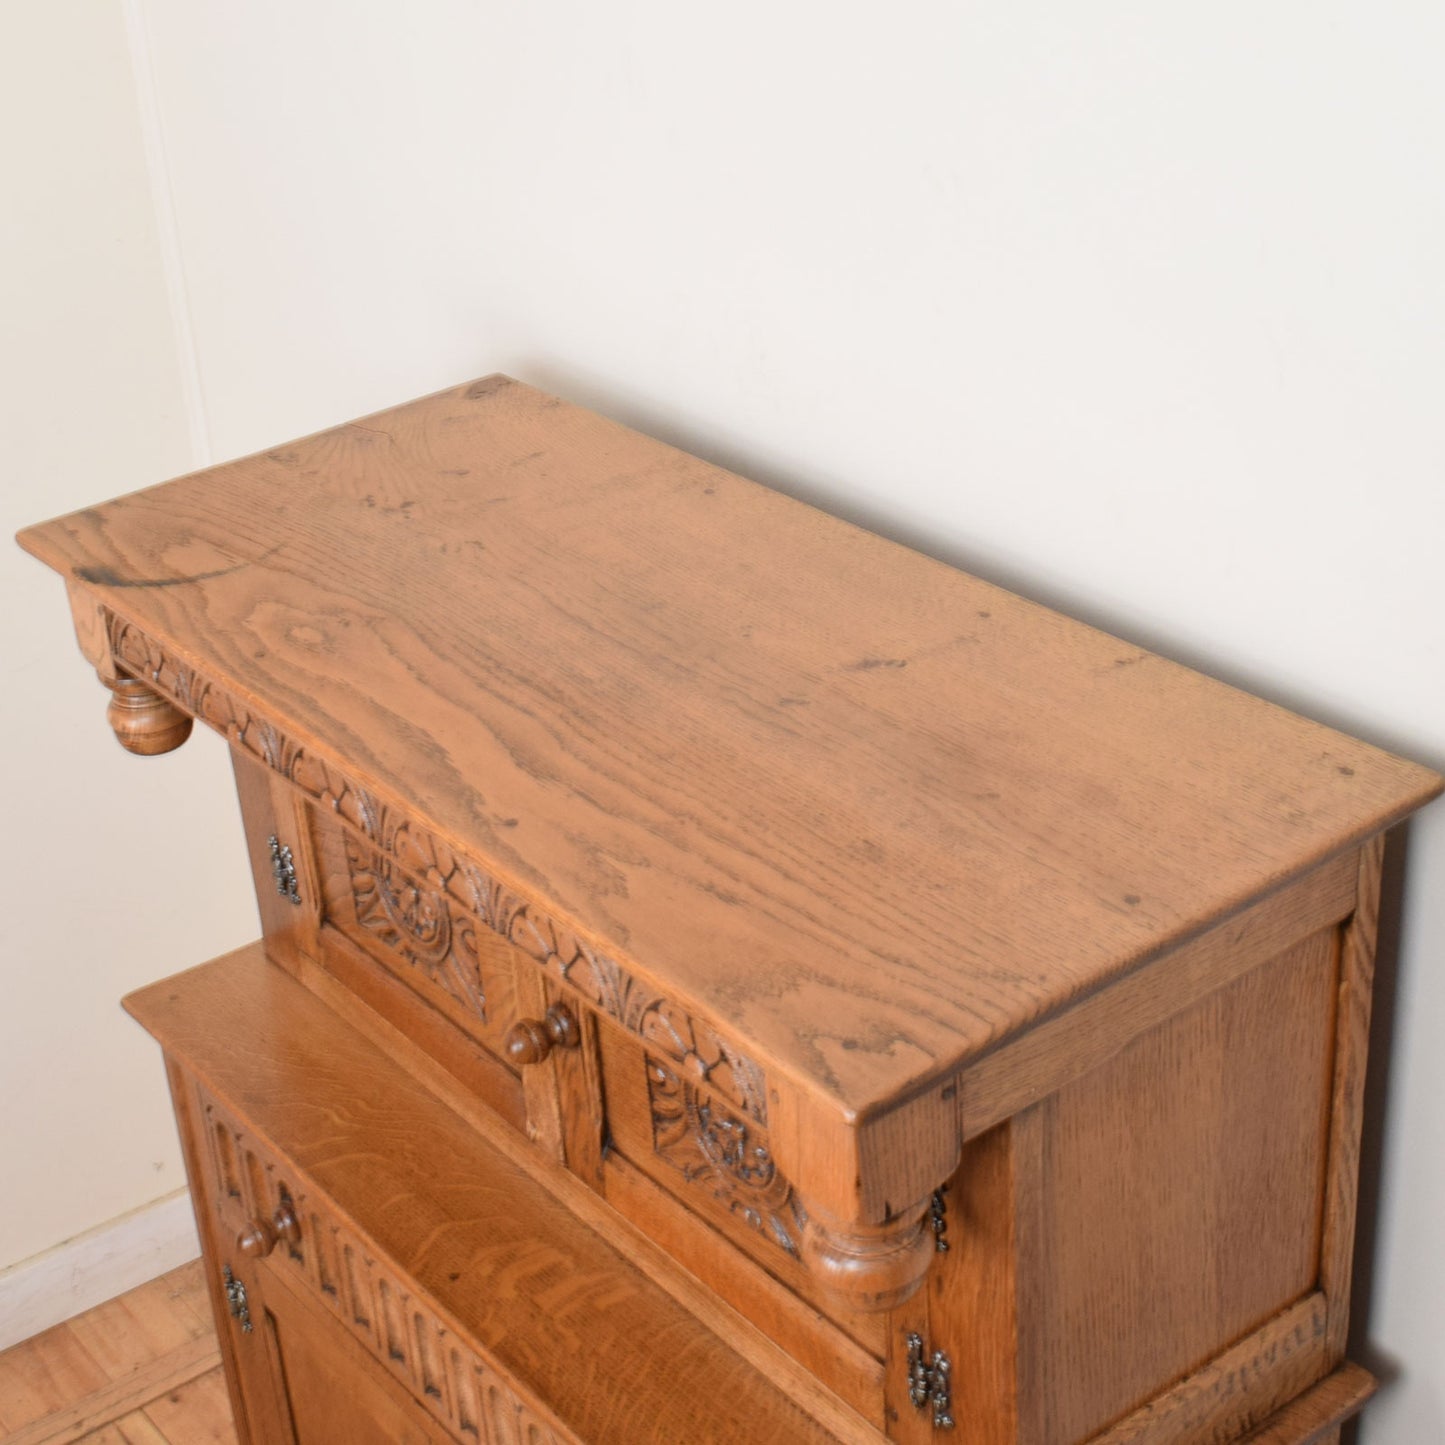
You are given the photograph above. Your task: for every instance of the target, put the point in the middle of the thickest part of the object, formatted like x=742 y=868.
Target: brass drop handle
x=529 y=1041
x=260 y=1236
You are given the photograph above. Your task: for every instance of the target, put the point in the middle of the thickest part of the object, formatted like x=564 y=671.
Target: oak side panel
x=1182 y=1191
x=969 y=1307
x=972 y=1309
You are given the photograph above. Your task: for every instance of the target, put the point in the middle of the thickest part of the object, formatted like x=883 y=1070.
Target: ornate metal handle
x=236 y=1300
x=283 y=870
x=930 y=1382
x=260 y=1236
x=529 y=1041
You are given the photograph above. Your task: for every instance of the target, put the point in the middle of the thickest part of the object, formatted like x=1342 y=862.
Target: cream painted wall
x=115 y=871
x=1134 y=307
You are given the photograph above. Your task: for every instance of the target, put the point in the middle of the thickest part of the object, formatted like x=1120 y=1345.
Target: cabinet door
x=331 y=1391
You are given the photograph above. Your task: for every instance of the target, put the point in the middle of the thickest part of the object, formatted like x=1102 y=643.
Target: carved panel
x=727 y=1155
x=696 y=1047
x=466 y=1393
x=417 y=925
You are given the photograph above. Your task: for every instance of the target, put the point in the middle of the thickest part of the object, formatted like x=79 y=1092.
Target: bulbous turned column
x=870 y=1267
x=143 y=721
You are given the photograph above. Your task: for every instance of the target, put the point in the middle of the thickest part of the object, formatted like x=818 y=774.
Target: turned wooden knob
x=143 y=721
x=260 y=1236
x=286 y=1222
x=529 y=1041
x=258 y=1239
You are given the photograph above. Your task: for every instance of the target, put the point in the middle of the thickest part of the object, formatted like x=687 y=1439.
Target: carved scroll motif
x=725 y=1154
x=418 y=925
x=659 y=1022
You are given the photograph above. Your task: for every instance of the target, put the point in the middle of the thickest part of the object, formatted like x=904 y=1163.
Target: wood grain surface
x=1182 y=1190
x=120 y=1371
x=870 y=813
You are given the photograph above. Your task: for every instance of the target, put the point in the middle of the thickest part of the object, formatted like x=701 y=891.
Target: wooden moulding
x=1280 y=1359
x=143 y=720
x=1315 y=1417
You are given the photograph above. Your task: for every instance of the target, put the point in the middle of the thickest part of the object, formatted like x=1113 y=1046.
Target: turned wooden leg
x=870 y=1266
x=143 y=721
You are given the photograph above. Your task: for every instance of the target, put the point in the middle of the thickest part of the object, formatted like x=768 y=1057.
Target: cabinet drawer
x=711 y=1158
x=435 y=949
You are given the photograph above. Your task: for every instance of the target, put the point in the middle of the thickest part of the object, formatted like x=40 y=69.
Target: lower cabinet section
x=394 y=1276
x=385 y=1268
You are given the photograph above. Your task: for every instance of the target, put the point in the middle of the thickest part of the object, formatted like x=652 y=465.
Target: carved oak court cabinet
x=727 y=977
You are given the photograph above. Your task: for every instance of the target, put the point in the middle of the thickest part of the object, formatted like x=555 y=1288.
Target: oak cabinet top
x=865 y=813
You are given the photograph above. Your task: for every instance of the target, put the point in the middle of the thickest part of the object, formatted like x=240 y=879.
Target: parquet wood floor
x=142 y=1369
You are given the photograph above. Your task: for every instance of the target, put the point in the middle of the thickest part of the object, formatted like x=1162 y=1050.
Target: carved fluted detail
x=143 y=721
x=870 y=1267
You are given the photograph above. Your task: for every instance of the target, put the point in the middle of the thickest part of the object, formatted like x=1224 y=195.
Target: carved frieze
x=416 y=924
x=697 y=1048
x=727 y=1155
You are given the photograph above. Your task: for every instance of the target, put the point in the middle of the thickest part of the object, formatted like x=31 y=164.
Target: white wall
x=114 y=870
x=1135 y=307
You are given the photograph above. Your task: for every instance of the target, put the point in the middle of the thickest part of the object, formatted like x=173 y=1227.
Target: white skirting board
x=96 y=1266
